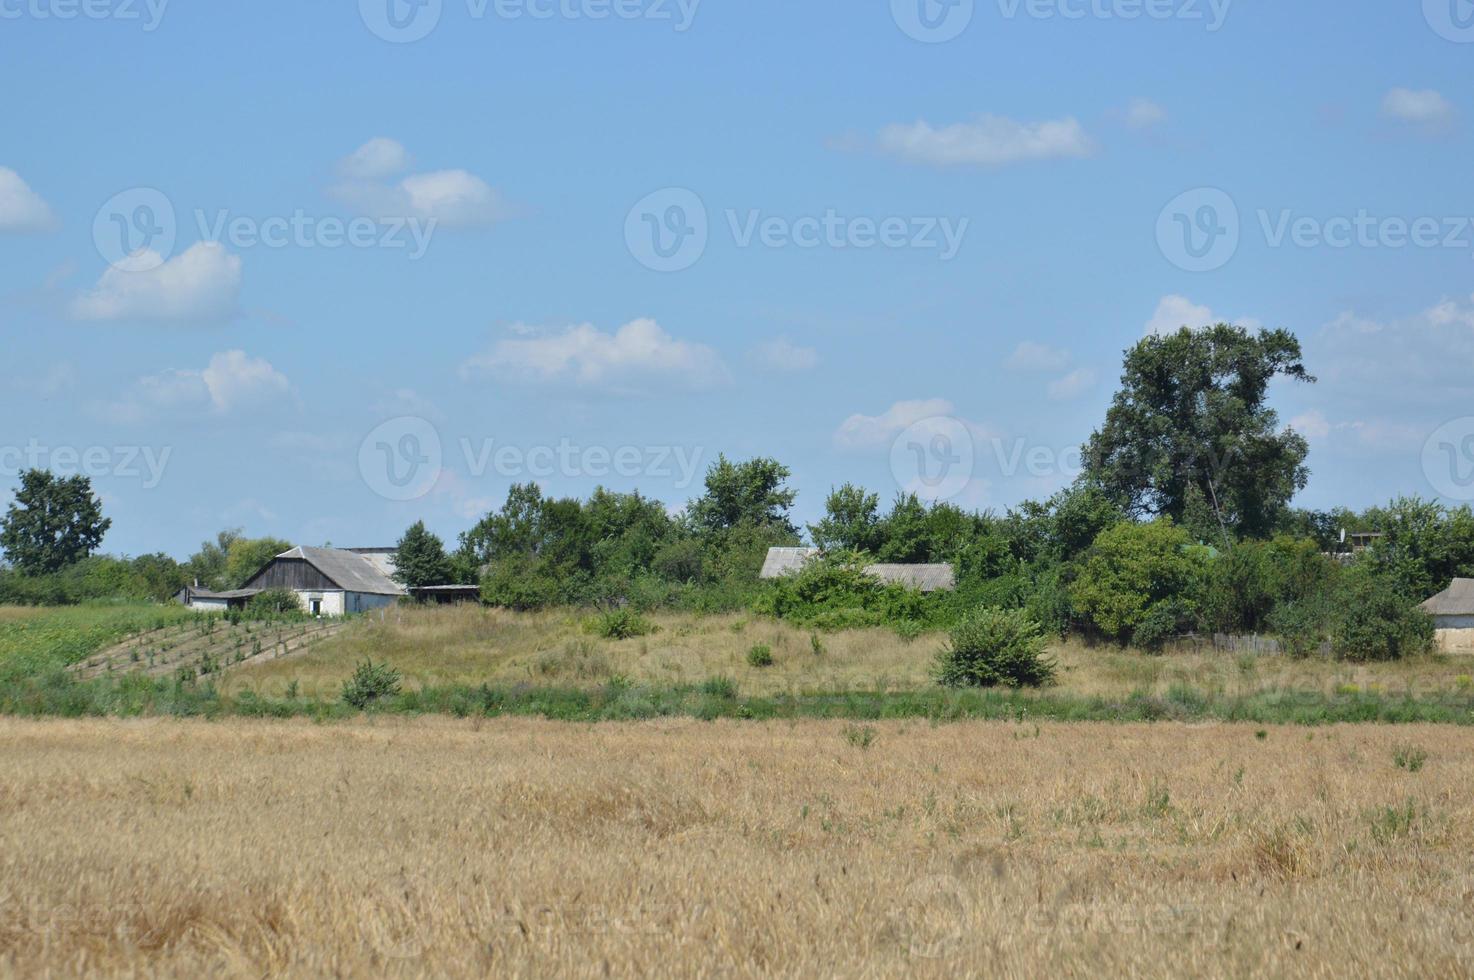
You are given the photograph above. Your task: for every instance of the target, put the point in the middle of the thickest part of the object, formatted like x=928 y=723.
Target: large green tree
x=420 y=559
x=1190 y=436
x=753 y=493
x=54 y=522
x=851 y=521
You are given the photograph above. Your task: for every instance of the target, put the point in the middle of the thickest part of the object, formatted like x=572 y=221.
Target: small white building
x=1453 y=616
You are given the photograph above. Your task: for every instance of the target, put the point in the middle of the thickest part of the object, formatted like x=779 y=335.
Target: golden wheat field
x=441 y=847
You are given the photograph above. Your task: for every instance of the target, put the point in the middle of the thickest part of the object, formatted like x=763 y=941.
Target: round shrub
x=994 y=646
x=274 y=602
x=760 y=656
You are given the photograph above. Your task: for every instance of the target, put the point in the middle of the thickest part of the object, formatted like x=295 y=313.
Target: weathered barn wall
x=290 y=573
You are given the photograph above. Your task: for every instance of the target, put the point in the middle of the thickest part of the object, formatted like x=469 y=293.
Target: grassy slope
x=36 y=641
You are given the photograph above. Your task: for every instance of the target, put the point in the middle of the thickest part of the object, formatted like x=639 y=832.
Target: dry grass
x=468 y=644
x=529 y=848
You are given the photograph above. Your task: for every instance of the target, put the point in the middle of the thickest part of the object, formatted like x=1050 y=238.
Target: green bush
x=1301 y=626
x=1377 y=623
x=994 y=646
x=760 y=655
x=1133 y=567
x=370 y=682
x=274 y=602
x=621 y=624
x=1164 y=621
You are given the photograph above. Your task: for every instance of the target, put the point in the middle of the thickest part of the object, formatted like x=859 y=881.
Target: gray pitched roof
x=1456 y=600
x=785 y=561
x=348 y=570
x=926 y=578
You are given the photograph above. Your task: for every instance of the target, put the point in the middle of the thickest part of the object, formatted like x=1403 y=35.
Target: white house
x=333 y=581
x=924 y=578
x=1453 y=616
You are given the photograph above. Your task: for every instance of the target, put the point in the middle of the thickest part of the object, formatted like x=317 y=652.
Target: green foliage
x=522 y=583
x=1131 y=569
x=1409 y=757
x=761 y=655
x=834 y=591
x=99 y=577
x=1378 y=623
x=1189 y=435
x=247 y=556
x=274 y=603
x=851 y=521
x=1424 y=546
x=420 y=559
x=992 y=647
x=621 y=624
x=752 y=493
x=369 y=684
x=53 y=522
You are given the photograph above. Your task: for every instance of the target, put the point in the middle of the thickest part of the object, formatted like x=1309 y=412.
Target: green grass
x=60 y=695
x=37 y=642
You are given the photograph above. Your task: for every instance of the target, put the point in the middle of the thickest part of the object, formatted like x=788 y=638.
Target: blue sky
x=923 y=246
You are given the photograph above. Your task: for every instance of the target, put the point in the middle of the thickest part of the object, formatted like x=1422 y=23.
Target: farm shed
x=333 y=581
x=925 y=578
x=203 y=600
x=1453 y=616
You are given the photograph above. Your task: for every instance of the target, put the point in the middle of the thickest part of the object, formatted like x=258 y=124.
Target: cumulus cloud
x=1175 y=312
x=453 y=198
x=1313 y=425
x=785 y=356
x=201 y=284
x=1029 y=356
x=231 y=381
x=21 y=209
x=1144 y=114
x=1424 y=107
x=860 y=432
x=988 y=140
x=1072 y=385
x=380 y=157
x=636 y=355
x=1422 y=358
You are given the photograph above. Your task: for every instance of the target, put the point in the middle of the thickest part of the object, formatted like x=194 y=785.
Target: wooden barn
x=333 y=581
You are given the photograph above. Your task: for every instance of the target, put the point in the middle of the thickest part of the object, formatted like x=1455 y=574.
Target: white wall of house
x=339 y=603
x=208 y=605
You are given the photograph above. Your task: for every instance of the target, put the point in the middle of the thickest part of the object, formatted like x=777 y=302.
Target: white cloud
x=201 y=284
x=987 y=141
x=878 y=431
x=631 y=357
x=1029 y=356
x=1072 y=385
x=1424 y=108
x=453 y=198
x=232 y=380
x=783 y=355
x=1144 y=114
x=1419 y=359
x=21 y=209
x=1175 y=312
x=1313 y=424
x=380 y=157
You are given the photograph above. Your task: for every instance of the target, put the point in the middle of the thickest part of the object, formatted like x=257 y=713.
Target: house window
x=314 y=606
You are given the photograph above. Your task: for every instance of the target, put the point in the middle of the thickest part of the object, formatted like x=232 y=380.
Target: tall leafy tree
x=1190 y=436
x=420 y=559
x=54 y=522
x=247 y=556
x=851 y=521
x=753 y=493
